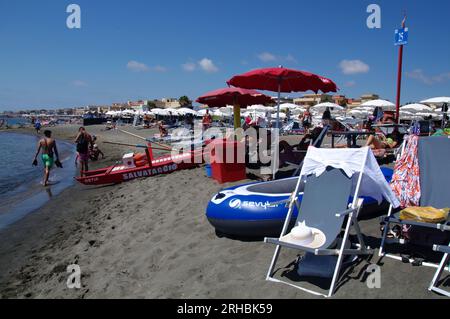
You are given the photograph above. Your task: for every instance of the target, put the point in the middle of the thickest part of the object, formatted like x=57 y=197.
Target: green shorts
x=48 y=160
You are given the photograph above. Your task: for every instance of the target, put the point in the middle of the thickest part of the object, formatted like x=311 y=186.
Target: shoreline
x=30 y=196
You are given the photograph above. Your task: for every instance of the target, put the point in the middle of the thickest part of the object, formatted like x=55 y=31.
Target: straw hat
x=305 y=236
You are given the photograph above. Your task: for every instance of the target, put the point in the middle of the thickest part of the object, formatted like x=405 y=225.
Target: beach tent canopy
x=437 y=100
x=351 y=161
x=385 y=105
x=416 y=107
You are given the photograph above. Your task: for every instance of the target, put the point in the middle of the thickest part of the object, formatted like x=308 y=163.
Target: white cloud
x=291 y=58
x=137 y=66
x=189 y=66
x=160 y=68
x=353 y=67
x=79 y=83
x=419 y=75
x=207 y=65
x=267 y=57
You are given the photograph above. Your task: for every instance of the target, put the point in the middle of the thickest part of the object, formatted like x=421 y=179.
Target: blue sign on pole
x=401 y=36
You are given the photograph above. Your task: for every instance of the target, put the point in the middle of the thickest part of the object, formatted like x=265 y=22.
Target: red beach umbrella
x=238 y=97
x=282 y=80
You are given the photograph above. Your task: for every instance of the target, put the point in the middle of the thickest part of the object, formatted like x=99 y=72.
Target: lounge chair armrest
x=347 y=212
x=442 y=249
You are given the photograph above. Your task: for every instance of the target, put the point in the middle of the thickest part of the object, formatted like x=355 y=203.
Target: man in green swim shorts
x=47 y=146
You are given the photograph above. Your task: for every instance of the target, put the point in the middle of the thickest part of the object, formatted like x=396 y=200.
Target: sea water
x=21 y=189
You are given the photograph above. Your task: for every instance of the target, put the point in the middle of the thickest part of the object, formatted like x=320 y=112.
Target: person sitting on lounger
x=162 y=129
x=288 y=152
x=379 y=142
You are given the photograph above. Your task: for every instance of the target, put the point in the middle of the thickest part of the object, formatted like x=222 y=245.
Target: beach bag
x=82 y=145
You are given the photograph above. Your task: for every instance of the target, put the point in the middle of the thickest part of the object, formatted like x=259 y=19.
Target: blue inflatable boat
x=248 y=210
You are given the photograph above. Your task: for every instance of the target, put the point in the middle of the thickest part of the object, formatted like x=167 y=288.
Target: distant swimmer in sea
x=48 y=150
x=83 y=141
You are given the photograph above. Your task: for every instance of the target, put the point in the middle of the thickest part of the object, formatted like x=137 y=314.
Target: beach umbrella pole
x=237 y=116
x=277 y=129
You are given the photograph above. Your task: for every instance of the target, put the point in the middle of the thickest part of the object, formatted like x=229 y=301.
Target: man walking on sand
x=47 y=148
x=83 y=140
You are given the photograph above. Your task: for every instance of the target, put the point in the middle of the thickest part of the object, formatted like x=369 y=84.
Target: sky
x=141 y=49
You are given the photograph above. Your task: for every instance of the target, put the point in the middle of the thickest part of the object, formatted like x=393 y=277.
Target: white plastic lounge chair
x=330 y=177
x=445 y=261
x=433 y=155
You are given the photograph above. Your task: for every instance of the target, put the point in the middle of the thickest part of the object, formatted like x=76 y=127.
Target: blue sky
x=139 y=49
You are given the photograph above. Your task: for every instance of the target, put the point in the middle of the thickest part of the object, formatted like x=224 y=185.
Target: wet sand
x=150 y=238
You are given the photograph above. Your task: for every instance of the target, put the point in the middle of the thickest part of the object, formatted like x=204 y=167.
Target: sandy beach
x=149 y=238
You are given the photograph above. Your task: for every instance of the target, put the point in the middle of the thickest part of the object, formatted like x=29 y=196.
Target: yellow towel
x=425 y=214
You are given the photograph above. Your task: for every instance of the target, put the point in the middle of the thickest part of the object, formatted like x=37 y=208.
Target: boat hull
x=119 y=173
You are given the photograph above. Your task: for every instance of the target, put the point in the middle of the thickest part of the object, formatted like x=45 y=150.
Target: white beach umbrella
x=298 y=111
x=439 y=111
x=185 y=110
x=321 y=107
x=384 y=104
x=157 y=111
x=256 y=107
x=426 y=114
x=128 y=112
x=416 y=107
x=172 y=111
x=202 y=112
x=226 y=110
x=437 y=100
x=288 y=106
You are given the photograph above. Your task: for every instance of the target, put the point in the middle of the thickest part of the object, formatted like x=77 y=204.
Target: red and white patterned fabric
x=406 y=179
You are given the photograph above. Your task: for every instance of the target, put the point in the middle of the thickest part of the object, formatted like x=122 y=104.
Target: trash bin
x=228 y=161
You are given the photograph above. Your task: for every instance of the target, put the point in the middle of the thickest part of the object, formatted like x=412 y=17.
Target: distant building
x=313 y=99
x=340 y=100
x=351 y=103
x=369 y=97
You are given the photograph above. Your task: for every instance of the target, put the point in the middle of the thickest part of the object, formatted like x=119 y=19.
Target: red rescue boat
x=142 y=165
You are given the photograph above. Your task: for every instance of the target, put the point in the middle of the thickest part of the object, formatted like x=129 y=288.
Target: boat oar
x=144 y=139
x=135 y=145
